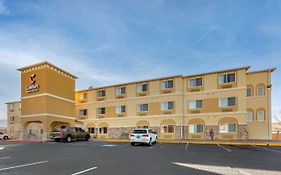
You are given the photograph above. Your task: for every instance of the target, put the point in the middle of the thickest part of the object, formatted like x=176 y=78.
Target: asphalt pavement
x=123 y=159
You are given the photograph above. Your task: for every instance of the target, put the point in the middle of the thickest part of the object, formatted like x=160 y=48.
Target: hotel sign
x=32 y=87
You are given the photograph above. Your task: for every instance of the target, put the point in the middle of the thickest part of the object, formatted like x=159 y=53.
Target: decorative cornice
x=160 y=116
x=48 y=65
x=216 y=90
x=48 y=114
x=128 y=99
x=48 y=94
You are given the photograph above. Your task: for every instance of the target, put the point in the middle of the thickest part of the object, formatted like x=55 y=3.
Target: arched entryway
x=33 y=130
x=57 y=124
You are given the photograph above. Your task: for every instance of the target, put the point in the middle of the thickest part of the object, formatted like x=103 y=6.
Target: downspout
x=269 y=103
x=181 y=113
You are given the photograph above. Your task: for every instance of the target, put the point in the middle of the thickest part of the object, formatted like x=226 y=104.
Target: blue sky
x=107 y=42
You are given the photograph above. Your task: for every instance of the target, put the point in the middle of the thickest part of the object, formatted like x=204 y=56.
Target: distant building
x=234 y=103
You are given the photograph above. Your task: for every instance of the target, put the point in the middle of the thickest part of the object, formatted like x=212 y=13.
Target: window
x=100 y=110
x=249 y=92
x=225 y=102
x=103 y=130
x=142 y=87
x=167 y=105
x=83 y=96
x=260 y=91
x=143 y=107
x=101 y=93
x=196 y=128
x=260 y=116
x=168 y=129
x=12 y=118
x=120 y=90
x=249 y=116
x=194 y=82
x=195 y=104
x=120 y=109
x=83 y=111
x=227 y=127
x=167 y=84
x=92 y=130
x=227 y=78
x=11 y=107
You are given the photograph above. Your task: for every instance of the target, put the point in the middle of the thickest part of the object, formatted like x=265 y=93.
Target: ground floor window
x=145 y=126
x=196 y=128
x=103 y=130
x=92 y=130
x=227 y=127
x=168 y=128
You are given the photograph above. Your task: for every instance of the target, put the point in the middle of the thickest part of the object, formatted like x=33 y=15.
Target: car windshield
x=140 y=131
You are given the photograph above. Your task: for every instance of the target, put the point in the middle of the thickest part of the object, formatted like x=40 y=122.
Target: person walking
x=212 y=134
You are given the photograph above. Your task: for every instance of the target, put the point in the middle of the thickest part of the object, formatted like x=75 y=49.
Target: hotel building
x=234 y=103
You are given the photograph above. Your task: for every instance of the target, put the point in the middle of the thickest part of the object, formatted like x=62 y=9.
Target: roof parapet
x=46 y=64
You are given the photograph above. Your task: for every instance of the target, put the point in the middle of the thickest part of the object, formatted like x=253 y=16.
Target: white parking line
x=108 y=145
x=24 y=165
x=2 y=158
x=80 y=172
x=224 y=148
x=186 y=146
x=2 y=148
x=268 y=149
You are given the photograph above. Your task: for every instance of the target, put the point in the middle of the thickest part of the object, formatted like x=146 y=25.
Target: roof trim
x=220 y=71
x=46 y=62
x=124 y=84
x=161 y=78
x=263 y=70
x=13 y=102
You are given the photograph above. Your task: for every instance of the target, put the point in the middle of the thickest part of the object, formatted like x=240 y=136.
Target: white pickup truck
x=143 y=135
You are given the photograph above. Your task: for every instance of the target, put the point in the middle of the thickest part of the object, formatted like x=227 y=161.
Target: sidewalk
x=209 y=142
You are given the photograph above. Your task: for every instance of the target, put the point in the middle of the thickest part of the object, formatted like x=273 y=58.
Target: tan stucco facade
x=223 y=106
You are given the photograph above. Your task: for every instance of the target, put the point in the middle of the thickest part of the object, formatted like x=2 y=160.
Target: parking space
x=121 y=158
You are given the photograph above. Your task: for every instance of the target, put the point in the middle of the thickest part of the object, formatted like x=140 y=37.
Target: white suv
x=3 y=136
x=143 y=135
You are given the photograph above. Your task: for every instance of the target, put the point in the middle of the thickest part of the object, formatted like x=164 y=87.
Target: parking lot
x=121 y=158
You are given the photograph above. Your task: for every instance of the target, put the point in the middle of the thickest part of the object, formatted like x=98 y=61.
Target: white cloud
x=3 y=9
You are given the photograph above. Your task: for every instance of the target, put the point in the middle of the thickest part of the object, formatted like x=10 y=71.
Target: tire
x=5 y=138
x=87 y=137
x=68 y=139
x=132 y=144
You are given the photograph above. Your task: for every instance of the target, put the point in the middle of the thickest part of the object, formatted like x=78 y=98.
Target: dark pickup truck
x=66 y=133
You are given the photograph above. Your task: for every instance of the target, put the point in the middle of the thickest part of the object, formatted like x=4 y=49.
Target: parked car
x=143 y=135
x=66 y=133
x=3 y=136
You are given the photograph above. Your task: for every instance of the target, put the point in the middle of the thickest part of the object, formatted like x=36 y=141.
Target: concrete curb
x=207 y=143
x=22 y=141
